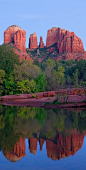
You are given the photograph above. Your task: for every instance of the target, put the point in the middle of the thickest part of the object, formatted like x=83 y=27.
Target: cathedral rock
x=60 y=43
x=64 y=41
x=16 y=36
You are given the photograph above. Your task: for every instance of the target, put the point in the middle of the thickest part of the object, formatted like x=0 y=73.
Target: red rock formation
x=33 y=145
x=18 y=152
x=52 y=49
x=64 y=146
x=41 y=141
x=19 y=148
x=16 y=36
x=22 y=55
x=66 y=41
x=69 y=56
x=41 y=44
x=33 y=41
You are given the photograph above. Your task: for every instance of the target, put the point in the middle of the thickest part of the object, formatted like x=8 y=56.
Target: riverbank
x=50 y=99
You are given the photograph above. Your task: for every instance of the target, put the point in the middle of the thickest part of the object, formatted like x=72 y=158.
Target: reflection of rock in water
x=59 y=147
x=64 y=146
x=33 y=145
x=18 y=152
x=41 y=141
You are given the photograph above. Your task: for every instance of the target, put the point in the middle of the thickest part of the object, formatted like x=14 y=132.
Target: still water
x=38 y=139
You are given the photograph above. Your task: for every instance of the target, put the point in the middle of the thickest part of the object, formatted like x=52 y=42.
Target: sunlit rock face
x=33 y=41
x=17 y=153
x=41 y=44
x=64 y=146
x=16 y=36
x=65 y=41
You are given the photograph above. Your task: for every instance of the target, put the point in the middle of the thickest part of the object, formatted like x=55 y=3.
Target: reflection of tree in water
x=57 y=127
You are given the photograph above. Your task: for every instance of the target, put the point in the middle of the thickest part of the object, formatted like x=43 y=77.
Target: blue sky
x=40 y=15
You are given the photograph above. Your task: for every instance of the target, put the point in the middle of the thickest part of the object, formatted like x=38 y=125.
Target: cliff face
x=41 y=44
x=18 y=152
x=64 y=146
x=60 y=44
x=58 y=147
x=61 y=146
x=33 y=145
x=41 y=142
x=33 y=41
x=16 y=36
x=66 y=41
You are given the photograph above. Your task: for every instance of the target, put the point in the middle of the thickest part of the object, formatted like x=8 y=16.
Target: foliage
x=41 y=82
x=8 y=58
x=26 y=86
x=75 y=77
x=27 y=70
x=27 y=77
x=2 y=76
x=25 y=122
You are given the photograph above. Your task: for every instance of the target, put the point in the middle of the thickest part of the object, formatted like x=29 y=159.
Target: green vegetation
x=25 y=122
x=43 y=53
x=26 y=77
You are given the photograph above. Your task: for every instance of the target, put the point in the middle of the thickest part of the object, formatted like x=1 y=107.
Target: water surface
x=36 y=138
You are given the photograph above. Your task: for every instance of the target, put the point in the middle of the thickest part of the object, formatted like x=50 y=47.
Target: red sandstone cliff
x=64 y=146
x=23 y=55
x=65 y=41
x=18 y=152
x=33 y=41
x=41 y=44
x=33 y=145
x=61 y=146
x=57 y=148
x=41 y=141
x=15 y=35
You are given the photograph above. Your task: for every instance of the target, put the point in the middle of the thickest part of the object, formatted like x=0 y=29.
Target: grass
x=75 y=103
x=34 y=96
x=56 y=102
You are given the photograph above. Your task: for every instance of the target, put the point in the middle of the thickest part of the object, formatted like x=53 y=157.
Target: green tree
x=41 y=82
x=75 y=77
x=2 y=79
x=26 y=70
x=8 y=58
x=2 y=76
x=26 y=86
